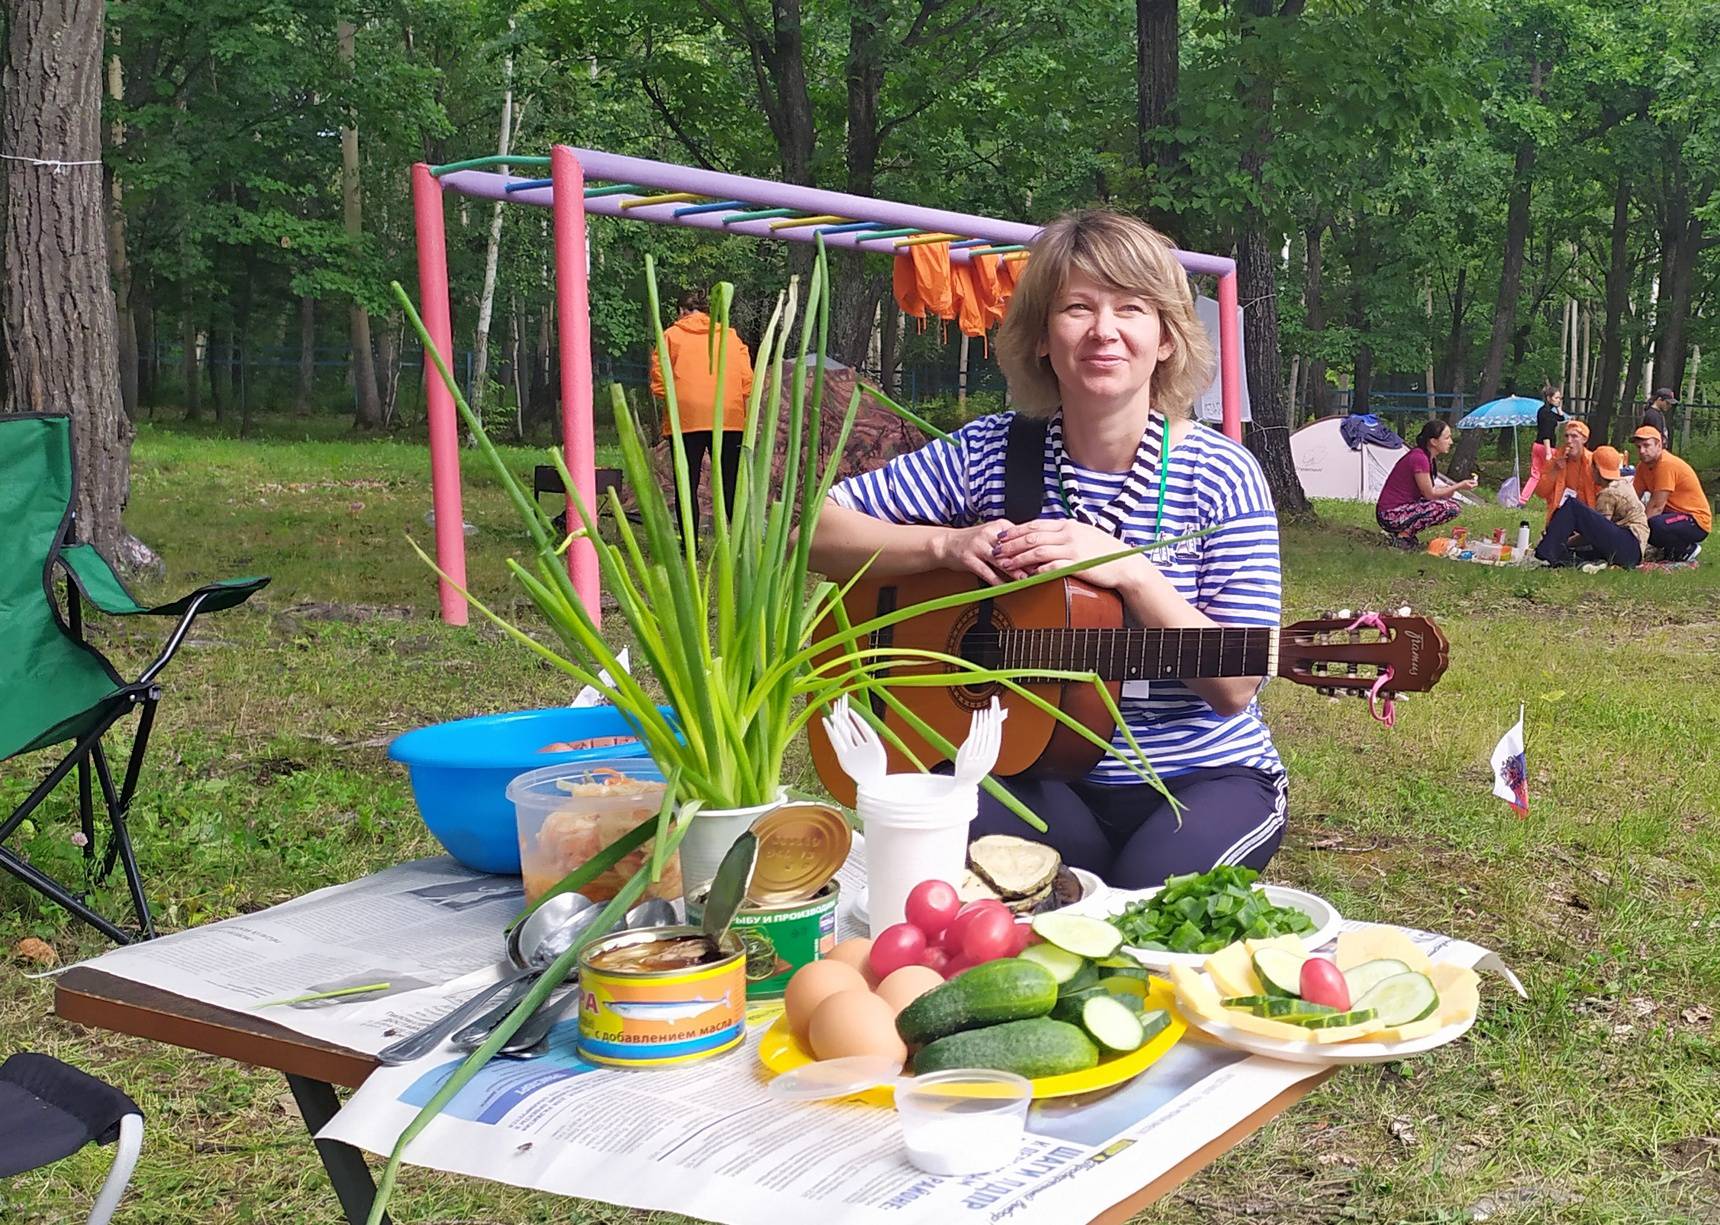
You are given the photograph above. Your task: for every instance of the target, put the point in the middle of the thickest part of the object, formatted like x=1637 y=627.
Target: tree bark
x=1682 y=241
x=61 y=347
x=1510 y=286
x=220 y=347
x=1256 y=269
x=119 y=263
x=1319 y=397
x=1156 y=108
x=1605 y=407
x=367 y=401
x=307 y=355
x=148 y=374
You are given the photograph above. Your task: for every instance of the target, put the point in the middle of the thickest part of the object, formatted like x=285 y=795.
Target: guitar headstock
x=1347 y=652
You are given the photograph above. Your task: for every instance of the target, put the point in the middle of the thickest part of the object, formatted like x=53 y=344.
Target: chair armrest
x=96 y=579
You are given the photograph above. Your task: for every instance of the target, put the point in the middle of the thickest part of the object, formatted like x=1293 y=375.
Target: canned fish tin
x=779 y=939
x=653 y=998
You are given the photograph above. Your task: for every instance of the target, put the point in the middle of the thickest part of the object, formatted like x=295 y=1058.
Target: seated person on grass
x=1679 y=519
x=1413 y=498
x=1614 y=530
x=1570 y=473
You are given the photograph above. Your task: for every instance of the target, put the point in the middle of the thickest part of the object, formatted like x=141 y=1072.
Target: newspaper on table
x=703 y=1139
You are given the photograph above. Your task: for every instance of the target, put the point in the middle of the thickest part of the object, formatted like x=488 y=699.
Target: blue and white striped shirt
x=1232 y=574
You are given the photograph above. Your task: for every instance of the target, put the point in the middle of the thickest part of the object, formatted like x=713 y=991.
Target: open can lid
x=800 y=847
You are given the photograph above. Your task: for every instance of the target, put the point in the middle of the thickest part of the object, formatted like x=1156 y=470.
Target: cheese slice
x=1232 y=970
x=1407 y=1033
x=1265 y=1027
x=1459 y=990
x=1289 y=943
x=1195 y=993
x=1341 y=1033
x=1372 y=943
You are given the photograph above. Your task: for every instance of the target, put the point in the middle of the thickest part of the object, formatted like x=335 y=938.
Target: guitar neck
x=1143 y=654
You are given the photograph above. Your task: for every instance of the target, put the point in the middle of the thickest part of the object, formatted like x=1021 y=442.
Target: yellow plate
x=779 y=1052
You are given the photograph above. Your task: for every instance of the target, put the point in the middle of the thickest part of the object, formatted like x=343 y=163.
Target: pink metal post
x=573 y=307
x=444 y=430
x=1229 y=356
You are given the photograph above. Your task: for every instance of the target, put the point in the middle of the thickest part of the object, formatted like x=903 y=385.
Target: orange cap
x=1608 y=462
x=1577 y=427
x=1648 y=431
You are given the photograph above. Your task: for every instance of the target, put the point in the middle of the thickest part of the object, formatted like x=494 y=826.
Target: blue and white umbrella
x=1502 y=414
x=1506 y=413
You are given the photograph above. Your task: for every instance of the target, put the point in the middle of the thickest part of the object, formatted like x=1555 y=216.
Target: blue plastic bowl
x=460 y=773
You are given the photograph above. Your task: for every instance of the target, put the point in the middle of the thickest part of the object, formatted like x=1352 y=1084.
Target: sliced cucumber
x=1402 y=998
x=1131 y=991
x=1282 y=1008
x=1154 y=1023
x=1124 y=966
x=1078 y=934
x=1111 y=1023
x=1365 y=977
x=1086 y=978
x=1280 y=972
x=1064 y=965
x=1336 y=1020
x=1248 y=1003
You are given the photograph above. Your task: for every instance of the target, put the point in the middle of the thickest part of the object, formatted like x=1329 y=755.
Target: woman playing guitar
x=1102 y=340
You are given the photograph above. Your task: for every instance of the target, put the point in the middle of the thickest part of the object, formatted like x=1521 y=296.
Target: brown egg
x=811 y=985
x=855 y=1023
x=908 y=984
x=857 y=953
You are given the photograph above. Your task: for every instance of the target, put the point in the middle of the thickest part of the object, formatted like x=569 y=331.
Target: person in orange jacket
x=690 y=361
x=1570 y=472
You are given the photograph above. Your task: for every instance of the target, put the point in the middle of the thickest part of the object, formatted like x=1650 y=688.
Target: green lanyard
x=1164 y=465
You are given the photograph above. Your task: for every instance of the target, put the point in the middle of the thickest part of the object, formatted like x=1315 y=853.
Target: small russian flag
x=1511 y=768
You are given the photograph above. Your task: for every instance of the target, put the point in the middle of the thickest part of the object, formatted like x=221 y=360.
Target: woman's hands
x=1046 y=544
x=970 y=549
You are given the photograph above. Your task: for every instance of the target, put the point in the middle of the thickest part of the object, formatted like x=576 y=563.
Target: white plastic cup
x=963 y=1121
x=916 y=829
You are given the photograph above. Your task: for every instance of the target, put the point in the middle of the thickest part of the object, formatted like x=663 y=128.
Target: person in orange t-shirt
x=690 y=361
x=1679 y=518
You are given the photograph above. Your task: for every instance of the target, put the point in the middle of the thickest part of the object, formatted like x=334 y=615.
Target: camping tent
x=1328 y=467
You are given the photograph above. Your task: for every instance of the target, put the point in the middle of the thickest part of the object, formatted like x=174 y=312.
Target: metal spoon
x=651 y=913
x=548 y=932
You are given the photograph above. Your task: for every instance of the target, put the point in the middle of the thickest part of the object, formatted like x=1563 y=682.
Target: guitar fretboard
x=1143 y=654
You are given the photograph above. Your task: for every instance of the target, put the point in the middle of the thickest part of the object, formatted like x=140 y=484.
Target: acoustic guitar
x=1068 y=625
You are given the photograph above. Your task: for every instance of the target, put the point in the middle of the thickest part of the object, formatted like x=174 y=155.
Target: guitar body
x=1033 y=743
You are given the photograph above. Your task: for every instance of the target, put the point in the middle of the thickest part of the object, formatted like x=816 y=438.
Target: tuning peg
x=1345 y=613
x=1404 y=611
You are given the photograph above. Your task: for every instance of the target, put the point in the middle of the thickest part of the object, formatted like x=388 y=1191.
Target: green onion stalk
x=745 y=643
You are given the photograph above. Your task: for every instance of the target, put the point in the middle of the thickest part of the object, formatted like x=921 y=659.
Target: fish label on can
x=780 y=939
x=664 y=1017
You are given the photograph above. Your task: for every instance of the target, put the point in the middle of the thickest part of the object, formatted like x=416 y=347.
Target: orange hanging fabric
x=907 y=287
x=970 y=305
x=985 y=279
x=932 y=277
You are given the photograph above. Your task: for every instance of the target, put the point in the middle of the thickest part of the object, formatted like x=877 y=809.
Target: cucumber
x=1280 y=972
x=1336 y=1020
x=1130 y=990
x=1248 y=1003
x=1078 y=934
x=1009 y=989
x=1154 y=1023
x=1282 y=1008
x=1035 y=1047
x=1086 y=978
x=1110 y=1023
x=1400 y=999
x=1124 y=966
x=1063 y=965
x=1365 y=977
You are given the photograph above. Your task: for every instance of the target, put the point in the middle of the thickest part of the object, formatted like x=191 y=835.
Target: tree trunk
x=1256 y=274
x=889 y=349
x=307 y=355
x=61 y=350
x=1681 y=245
x=492 y=247
x=118 y=261
x=1156 y=108
x=1510 y=285
x=1319 y=397
x=220 y=345
x=148 y=373
x=388 y=350
x=188 y=367
x=1604 y=407
x=368 y=403
x=1362 y=263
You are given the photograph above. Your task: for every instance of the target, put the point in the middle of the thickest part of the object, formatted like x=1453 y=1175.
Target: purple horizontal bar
x=765 y=193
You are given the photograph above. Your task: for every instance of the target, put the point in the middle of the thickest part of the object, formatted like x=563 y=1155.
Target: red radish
x=956 y=966
x=937 y=958
x=990 y=934
x=955 y=934
x=1323 y=983
x=1023 y=937
x=900 y=944
x=931 y=905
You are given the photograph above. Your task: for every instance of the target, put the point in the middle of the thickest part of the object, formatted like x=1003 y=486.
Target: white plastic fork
x=978 y=753
x=857 y=746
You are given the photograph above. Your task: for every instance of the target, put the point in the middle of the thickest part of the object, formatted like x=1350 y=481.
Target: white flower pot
x=712 y=832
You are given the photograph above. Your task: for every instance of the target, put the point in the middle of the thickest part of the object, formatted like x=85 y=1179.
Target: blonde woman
x=1102 y=343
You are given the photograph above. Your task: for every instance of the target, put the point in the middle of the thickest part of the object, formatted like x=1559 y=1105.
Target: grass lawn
x=1596 y=1100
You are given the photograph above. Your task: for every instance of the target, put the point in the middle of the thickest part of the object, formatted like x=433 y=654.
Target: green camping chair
x=57 y=687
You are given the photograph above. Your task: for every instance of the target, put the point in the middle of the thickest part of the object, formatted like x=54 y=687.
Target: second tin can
x=779 y=939
x=640 y=1007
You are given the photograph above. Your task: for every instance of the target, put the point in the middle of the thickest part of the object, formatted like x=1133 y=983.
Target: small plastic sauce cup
x=963 y=1121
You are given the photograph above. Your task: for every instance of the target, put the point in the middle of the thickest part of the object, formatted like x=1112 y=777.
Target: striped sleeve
x=942 y=483
x=1241 y=582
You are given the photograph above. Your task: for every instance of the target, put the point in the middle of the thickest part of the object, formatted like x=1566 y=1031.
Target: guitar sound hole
x=979 y=645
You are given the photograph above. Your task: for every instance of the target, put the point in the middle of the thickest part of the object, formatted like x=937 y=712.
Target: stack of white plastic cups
x=916 y=829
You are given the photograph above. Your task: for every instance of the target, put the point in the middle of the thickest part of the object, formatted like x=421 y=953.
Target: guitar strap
x=1024 y=468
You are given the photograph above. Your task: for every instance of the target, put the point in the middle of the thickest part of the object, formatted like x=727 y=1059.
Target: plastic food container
x=568 y=813
x=963 y=1121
